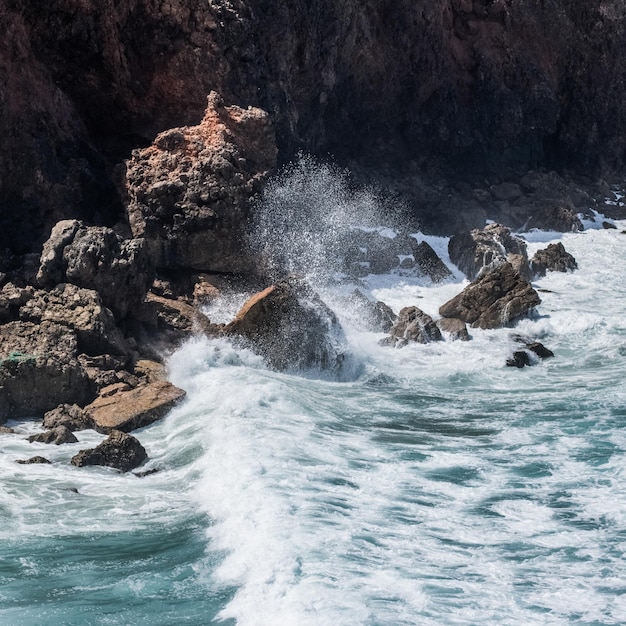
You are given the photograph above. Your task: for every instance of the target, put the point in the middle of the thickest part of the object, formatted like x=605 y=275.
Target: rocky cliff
x=410 y=88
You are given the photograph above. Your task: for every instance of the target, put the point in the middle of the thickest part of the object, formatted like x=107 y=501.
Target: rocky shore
x=129 y=185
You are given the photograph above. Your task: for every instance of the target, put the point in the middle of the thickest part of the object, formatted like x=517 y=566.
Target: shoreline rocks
x=119 y=450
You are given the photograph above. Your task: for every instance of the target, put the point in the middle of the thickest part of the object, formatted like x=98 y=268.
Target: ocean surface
x=431 y=485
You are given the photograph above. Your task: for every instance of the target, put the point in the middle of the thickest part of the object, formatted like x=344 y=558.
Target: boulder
x=189 y=192
x=531 y=354
x=496 y=299
x=455 y=329
x=70 y=416
x=119 y=450
x=33 y=460
x=96 y=257
x=39 y=369
x=554 y=258
x=57 y=436
x=81 y=310
x=428 y=261
x=471 y=251
x=129 y=409
x=290 y=326
x=413 y=325
x=559 y=216
x=376 y=316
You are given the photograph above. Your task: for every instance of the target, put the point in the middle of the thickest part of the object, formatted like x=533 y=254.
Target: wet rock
x=413 y=325
x=39 y=369
x=455 y=329
x=190 y=191
x=496 y=299
x=477 y=249
x=5 y=430
x=375 y=316
x=57 y=436
x=608 y=226
x=81 y=310
x=429 y=262
x=130 y=409
x=70 y=416
x=95 y=257
x=33 y=460
x=120 y=451
x=557 y=216
x=290 y=326
x=554 y=258
x=533 y=352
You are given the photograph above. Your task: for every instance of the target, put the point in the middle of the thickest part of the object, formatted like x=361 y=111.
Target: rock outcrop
x=412 y=325
x=291 y=327
x=128 y=409
x=189 y=193
x=119 y=450
x=56 y=435
x=497 y=298
x=554 y=258
x=532 y=352
x=493 y=245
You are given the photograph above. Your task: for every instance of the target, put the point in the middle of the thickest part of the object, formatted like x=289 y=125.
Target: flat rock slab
x=128 y=410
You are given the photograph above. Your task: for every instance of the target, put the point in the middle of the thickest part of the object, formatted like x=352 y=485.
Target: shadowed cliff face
x=482 y=87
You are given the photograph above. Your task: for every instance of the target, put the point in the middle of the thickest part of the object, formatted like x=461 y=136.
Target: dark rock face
x=70 y=416
x=493 y=245
x=189 y=193
x=428 y=262
x=99 y=259
x=119 y=450
x=489 y=87
x=533 y=352
x=413 y=325
x=290 y=326
x=57 y=436
x=554 y=258
x=495 y=299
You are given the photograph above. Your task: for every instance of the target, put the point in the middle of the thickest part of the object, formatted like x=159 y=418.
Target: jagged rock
x=34 y=459
x=57 y=436
x=119 y=450
x=428 y=261
x=128 y=410
x=39 y=369
x=71 y=416
x=554 y=258
x=454 y=328
x=477 y=249
x=189 y=192
x=95 y=257
x=495 y=299
x=290 y=326
x=412 y=325
x=11 y=299
x=375 y=315
x=82 y=311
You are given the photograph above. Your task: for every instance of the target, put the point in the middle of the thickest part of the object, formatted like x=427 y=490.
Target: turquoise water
x=437 y=486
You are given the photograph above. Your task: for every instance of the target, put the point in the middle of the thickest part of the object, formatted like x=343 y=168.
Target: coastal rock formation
x=34 y=460
x=428 y=262
x=455 y=329
x=97 y=258
x=493 y=245
x=71 y=416
x=496 y=299
x=372 y=315
x=39 y=369
x=129 y=409
x=412 y=325
x=554 y=258
x=290 y=326
x=119 y=450
x=189 y=193
x=56 y=435
x=531 y=354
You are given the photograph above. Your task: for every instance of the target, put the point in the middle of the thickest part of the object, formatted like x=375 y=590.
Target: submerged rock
x=554 y=258
x=412 y=325
x=496 y=299
x=130 y=409
x=533 y=352
x=291 y=327
x=34 y=460
x=119 y=450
